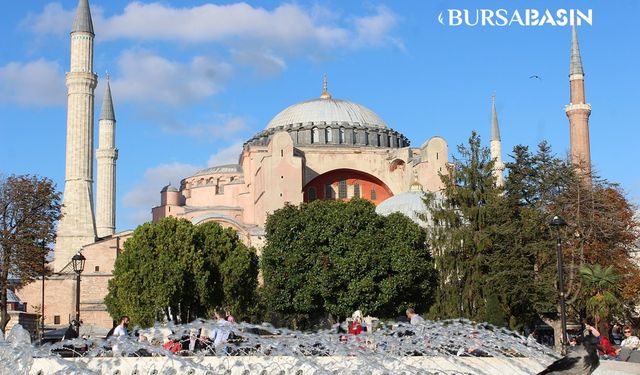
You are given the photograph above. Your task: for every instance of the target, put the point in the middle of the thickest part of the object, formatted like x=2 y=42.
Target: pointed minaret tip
x=495 y=129
x=107 y=112
x=576 y=59
x=83 y=22
x=325 y=92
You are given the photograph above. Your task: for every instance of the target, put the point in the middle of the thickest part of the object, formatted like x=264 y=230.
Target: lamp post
x=44 y=269
x=557 y=223
x=78 y=267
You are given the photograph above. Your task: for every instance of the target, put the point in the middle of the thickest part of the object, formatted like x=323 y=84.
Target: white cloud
x=286 y=28
x=226 y=129
x=53 y=20
x=32 y=84
x=145 y=76
x=227 y=155
x=264 y=61
x=145 y=194
x=376 y=29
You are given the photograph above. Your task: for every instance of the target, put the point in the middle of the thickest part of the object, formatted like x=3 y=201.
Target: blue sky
x=192 y=80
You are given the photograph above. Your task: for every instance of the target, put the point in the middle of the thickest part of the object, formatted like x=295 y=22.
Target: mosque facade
x=319 y=149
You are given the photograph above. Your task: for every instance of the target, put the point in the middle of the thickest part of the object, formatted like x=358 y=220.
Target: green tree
x=602 y=290
x=325 y=259
x=29 y=209
x=172 y=270
x=460 y=236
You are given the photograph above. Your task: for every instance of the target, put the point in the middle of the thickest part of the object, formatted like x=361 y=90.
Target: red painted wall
x=367 y=182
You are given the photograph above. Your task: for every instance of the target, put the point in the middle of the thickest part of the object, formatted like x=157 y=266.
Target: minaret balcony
x=574 y=107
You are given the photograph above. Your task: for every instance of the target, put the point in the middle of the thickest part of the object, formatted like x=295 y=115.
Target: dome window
x=315 y=135
x=328 y=135
x=341 y=136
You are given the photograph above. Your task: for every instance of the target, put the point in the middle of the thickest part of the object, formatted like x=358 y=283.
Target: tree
x=29 y=209
x=460 y=236
x=601 y=290
x=325 y=259
x=171 y=270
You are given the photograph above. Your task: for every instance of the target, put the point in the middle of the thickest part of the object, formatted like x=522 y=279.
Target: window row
x=370 y=139
x=342 y=193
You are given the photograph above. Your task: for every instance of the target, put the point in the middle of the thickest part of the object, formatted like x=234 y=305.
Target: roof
x=82 y=22
x=410 y=204
x=328 y=110
x=107 y=112
x=12 y=297
x=576 y=59
x=226 y=168
x=170 y=188
x=495 y=128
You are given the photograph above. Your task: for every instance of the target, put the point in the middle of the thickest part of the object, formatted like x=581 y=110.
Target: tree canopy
x=29 y=209
x=326 y=259
x=494 y=246
x=173 y=270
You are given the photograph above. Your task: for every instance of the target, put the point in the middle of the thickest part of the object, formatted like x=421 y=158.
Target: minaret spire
x=578 y=112
x=77 y=226
x=106 y=155
x=496 y=145
x=576 y=60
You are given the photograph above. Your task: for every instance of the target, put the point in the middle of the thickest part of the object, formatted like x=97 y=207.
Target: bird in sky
x=536 y=77
x=582 y=361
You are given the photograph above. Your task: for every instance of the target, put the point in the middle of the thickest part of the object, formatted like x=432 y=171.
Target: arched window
x=366 y=138
x=311 y=194
x=354 y=139
x=328 y=191
x=356 y=190
x=378 y=140
x=328 y=135
x=341 y=136
x=315 y=135
x=374 y=195
x=342 y=189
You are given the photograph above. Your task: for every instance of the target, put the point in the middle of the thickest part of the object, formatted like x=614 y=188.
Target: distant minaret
x=578 y=112
x=77 y=226
x=106 y=155
x=496 y=145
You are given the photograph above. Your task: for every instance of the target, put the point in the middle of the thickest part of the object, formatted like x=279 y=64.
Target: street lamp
x=78 y=267
x=557 y=223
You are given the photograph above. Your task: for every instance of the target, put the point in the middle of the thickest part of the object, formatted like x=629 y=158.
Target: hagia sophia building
x=322 y=148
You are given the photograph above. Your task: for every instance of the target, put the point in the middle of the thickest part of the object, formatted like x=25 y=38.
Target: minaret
x=106 y=155
x=578 y=112
x=77 y=226
x=496 y=145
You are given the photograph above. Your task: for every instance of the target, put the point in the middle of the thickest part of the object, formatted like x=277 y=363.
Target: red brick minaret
x=578 y=112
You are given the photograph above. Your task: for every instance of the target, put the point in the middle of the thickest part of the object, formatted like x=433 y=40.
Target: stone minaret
x=77 y=226
x=496 y=145
x=578 y=112
x=106 y=155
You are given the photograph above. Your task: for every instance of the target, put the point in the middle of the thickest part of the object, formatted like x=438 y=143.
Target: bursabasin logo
x=522 y=17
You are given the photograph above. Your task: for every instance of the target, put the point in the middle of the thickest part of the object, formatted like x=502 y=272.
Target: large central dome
x=328 y=110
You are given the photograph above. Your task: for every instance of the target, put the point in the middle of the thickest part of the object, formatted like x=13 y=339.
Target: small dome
x=410 y=204
x=327 y=110
x=169 y=188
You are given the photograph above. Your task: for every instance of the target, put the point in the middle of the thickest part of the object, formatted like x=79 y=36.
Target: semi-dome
x=327 y=110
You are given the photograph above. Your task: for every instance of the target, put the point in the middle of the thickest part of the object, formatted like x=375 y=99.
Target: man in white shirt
x=121 y=329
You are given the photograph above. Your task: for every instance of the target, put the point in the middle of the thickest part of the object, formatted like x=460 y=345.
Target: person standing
x=414 y=318
x=220 y=334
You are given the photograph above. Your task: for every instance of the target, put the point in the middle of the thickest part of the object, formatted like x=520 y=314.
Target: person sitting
x=356 y=328
x=628 y=350
x=608 y=350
